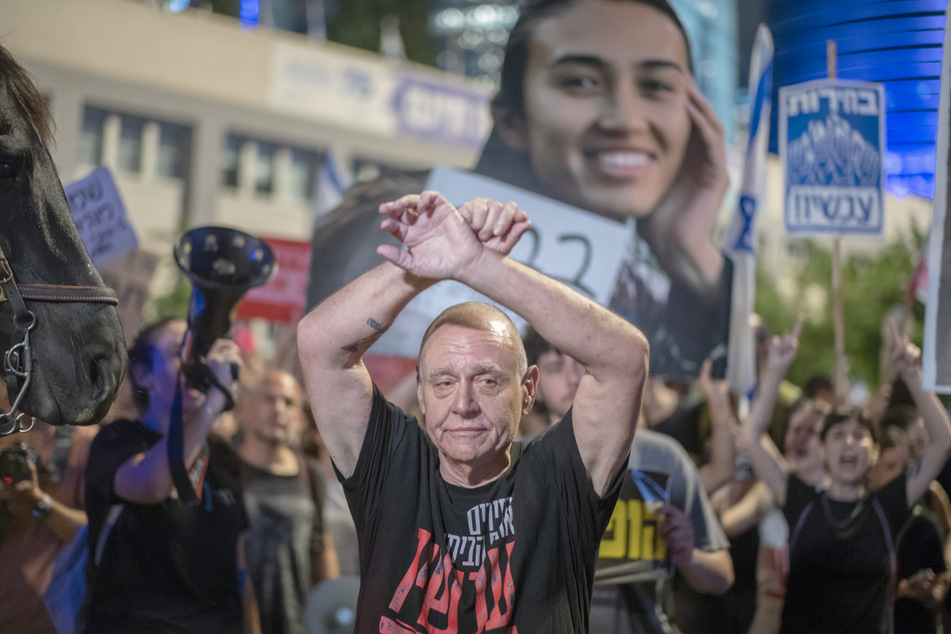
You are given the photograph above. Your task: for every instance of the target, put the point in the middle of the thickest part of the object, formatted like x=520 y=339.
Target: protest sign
x=100 y=217
x=831 y=142
x=282 y=298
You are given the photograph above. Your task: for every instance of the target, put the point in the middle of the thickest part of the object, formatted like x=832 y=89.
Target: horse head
x=78 y=349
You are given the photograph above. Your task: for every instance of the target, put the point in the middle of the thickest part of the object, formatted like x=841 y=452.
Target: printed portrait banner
x=831 y=143
x=936 y=351
x=573 y=246
x=100 y=217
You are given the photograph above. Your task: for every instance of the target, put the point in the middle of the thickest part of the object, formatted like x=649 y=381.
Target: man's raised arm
x=613 y=352
x=333 y=338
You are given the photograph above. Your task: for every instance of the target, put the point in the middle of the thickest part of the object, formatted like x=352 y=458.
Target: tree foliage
x=357 y=23
x=872 y=287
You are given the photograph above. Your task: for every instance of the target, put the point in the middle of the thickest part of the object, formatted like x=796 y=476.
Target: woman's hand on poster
x=680 y=229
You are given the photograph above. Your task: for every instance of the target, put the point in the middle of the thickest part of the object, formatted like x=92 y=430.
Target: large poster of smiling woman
x=598 y=110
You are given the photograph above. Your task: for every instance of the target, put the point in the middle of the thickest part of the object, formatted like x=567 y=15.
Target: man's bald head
x=272 y=408
x=482 y=317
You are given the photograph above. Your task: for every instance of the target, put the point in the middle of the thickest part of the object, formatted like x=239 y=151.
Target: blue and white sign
x=831 y=142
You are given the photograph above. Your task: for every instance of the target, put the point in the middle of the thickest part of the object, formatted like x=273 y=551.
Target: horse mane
x=22 y=88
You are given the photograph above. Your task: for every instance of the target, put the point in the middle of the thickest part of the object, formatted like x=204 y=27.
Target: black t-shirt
x=840 y=580
x=519 y=551
x=278 y=545
x=920 y=547
x=166 y=567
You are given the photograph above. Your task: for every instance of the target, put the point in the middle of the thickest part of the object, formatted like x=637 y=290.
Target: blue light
x=250 y=12
x=896 y=43
x=177 y=6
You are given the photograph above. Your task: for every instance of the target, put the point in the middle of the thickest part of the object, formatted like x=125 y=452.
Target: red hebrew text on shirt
x=435 y=595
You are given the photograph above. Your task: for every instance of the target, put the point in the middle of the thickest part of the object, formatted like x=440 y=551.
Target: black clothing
x=166 y=567
x=920 y=547
x=283 y=512
x=841 y=557
x=436 y=557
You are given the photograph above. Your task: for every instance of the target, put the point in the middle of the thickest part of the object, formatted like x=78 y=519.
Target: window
x=173 y=151
x=301 y=178
x=130 y=144
x=264 y=168
x=90 y=138
x=230 y=161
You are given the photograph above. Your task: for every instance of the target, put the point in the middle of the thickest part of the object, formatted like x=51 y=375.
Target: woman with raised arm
x=842 y=534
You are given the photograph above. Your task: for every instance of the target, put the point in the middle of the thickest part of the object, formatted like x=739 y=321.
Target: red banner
x=283 y=298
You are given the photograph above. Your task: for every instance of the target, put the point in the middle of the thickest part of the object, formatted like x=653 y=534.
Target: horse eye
x=8 y=169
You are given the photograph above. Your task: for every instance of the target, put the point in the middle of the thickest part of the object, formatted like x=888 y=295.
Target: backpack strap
x=114 y=512
x=794 y=536
x=892 y=559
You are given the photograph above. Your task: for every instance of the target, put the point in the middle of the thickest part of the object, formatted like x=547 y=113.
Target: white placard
x=100 y=217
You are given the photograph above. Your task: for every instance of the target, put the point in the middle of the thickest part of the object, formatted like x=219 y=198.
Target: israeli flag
x=331 y=183
x=741 y=241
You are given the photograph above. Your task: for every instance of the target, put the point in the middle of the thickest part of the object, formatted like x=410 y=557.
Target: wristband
x=43 y=507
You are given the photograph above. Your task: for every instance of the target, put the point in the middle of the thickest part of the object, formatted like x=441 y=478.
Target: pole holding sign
x=832 y=147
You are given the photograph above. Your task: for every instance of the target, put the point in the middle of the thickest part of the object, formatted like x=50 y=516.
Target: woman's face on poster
x=605 y=121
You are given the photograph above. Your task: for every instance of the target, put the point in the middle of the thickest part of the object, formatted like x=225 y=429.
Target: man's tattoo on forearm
x=372 y=323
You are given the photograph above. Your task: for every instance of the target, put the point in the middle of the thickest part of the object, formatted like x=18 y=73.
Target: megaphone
x=222 y=264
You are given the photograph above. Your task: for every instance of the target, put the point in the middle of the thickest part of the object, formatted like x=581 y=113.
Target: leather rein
x=18 y=359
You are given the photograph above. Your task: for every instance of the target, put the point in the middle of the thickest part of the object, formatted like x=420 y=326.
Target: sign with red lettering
x=283 y=298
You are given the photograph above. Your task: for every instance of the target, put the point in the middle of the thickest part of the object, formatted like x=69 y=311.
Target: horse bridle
x=18 y=359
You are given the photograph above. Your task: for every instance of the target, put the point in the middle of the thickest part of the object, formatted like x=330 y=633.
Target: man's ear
x=511 y=128
x=530 y=383
x=874 y=455
x=419 y=392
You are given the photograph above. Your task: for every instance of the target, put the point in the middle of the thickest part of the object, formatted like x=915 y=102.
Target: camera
x=14 y=463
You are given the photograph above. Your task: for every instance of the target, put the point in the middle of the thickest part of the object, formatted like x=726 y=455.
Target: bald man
x=460 y=530
x=286 y=549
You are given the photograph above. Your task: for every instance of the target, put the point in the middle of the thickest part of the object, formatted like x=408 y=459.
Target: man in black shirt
x=283 y=494
x=459 y=529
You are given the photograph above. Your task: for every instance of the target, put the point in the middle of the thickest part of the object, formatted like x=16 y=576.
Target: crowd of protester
x=843 y=529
